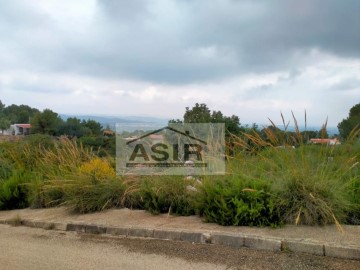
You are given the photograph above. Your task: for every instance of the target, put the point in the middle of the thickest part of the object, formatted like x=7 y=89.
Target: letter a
x=135 y=153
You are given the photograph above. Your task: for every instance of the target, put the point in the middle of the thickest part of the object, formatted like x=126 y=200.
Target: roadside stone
x=117 y=231
x=43 y=224
x=95 y=229
x=60 y=226
x=195 y=237
x=28 y=223
x=227 y=239
x=342 y=252
x=167 y=234
x=303 y=239
x=140 y=232
x=48 y=225
x=39 y=224
x=304 y=247
x=262 y=243
x=75 y=227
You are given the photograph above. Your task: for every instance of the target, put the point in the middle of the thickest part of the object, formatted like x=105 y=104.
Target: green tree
x=233 y=125
x=352 y=121
x=19 y=114
x=175 y=121
x=4 y=124
x=74 y=127
x=310 y=134
x=200 y=113
x=2 y=106
x=217 y=117
x=94 y=126
x=46 y=122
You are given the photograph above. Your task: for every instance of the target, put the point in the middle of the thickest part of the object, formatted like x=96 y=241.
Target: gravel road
x=29 y=248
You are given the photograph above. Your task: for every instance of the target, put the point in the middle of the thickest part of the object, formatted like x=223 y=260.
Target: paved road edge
x=205 y=237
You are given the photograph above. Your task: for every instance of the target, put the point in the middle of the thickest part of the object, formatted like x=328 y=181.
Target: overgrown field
x=265 y=185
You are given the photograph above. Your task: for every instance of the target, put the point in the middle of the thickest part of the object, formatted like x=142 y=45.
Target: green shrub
x=45 y=193
x=36 y=140
x=103 y=146
x=13 y=191
x=310 y=184
x=85 y=195
x=167 y=194
x=236 y=201
x=268 y=183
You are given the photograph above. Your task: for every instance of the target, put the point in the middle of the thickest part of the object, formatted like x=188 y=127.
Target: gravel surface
x=29 y=248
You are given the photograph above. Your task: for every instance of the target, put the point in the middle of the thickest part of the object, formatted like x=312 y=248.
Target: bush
x=167 y=194
x=13 y=191
x=85 y=195
x=36 y=140
x=98 y=169
x=310 y=184
x=235 y=201
x=45 y=193
x=88 y=186
x=268 y=182
x=103 y=146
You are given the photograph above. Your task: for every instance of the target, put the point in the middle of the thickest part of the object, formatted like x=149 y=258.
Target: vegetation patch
x=273 y=176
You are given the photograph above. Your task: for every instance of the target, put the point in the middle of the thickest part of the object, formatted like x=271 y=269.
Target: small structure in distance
x=334 y=141
x=18 y=129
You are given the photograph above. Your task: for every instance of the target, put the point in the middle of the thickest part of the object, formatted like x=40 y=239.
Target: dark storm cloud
x=179 y=41
x=267 y=34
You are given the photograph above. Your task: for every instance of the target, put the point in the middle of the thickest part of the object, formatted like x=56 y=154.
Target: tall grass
x=310 y=184
x=267 y=182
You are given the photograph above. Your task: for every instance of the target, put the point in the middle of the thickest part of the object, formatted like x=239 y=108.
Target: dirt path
x=28 y=248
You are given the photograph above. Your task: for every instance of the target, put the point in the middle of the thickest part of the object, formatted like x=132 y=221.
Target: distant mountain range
x=330 y=130
x=111 y=121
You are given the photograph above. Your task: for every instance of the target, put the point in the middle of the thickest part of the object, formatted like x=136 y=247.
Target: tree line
x=50 y=123
x=47 y=122
x=200 y=113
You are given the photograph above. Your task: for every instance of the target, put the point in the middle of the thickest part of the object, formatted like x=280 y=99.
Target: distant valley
x=111 y=121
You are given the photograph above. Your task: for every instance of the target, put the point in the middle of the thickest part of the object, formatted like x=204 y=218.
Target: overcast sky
x=154 y=58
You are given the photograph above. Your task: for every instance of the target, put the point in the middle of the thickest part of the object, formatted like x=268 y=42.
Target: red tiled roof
x=335 y=141
x=156 y=137
x=23 y=125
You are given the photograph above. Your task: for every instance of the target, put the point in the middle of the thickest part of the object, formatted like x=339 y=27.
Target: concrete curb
x=206 y=237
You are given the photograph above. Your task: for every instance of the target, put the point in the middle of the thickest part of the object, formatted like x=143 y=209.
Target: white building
x=18 y=129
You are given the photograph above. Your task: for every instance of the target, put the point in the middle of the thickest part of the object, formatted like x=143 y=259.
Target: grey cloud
x=123 y=11
x=346 y=84
x=292 y=75
x=35 y=87
x=274 y=30
x=183 y=41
